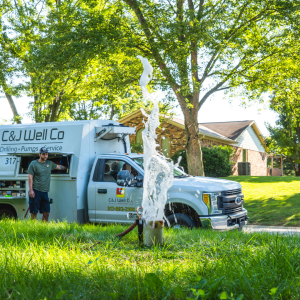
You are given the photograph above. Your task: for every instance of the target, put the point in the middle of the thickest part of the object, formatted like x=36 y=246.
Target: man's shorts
x=40 y=202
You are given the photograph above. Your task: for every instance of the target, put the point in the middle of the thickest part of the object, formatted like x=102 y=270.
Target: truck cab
x=192 y=201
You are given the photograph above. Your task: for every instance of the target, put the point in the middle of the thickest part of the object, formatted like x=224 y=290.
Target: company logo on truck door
x=32 y=135
x=120 y=192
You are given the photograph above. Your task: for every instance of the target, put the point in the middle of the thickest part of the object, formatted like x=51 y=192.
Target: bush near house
x=136 y=147
x=216 y=160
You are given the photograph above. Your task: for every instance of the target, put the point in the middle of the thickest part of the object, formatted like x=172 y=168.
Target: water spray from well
x=158 y=176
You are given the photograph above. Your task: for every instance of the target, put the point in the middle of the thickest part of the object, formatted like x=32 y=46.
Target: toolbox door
x=8 y=165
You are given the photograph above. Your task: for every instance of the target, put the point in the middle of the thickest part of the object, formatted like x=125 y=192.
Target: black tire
x=180 y=220
x=7 y=213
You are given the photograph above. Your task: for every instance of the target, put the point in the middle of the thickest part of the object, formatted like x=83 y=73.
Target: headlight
x=211 y=201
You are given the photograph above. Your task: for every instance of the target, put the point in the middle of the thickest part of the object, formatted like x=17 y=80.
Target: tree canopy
x=202 y=47
x=285 y=100
x=79 y=61
x=66 y=54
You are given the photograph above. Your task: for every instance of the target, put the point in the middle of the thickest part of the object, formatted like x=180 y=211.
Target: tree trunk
x=55 y=107
x=298 y=170
x=112 y=113
x=9 y=98
x=36 y=110
x=194 y=154
x=193 y=146
x=13 y=108
x=193 y=142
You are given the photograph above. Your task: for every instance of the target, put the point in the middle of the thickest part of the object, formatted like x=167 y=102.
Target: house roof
x=231 y=130
x=206 y=132
x=225 y=131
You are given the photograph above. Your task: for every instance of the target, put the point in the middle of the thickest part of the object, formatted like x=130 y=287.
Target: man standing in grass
x=39 y=174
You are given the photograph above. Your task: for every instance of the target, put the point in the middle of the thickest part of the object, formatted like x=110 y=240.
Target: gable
x=249 y=140
x=230 y=130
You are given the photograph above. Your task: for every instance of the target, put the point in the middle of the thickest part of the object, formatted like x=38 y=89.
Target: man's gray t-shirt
x=41 y=173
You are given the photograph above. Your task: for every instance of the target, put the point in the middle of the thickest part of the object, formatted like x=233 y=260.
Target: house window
x=245 y=158
x=139 y=138
x=165 y=146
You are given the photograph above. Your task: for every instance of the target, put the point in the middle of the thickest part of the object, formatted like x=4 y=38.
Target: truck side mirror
x=123 y=178
x=139 y=180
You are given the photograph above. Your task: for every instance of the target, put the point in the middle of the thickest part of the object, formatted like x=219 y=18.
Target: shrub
x=216 y=160
x=136 y=148
x=288 y=169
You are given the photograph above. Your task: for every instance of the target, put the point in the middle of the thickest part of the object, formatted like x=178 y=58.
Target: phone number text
x=112 y=208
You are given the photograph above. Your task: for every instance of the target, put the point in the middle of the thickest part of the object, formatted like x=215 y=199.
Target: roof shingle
x=231 y=130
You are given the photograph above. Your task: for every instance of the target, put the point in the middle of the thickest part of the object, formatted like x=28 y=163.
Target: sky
x=219 y=109
x=216 y=110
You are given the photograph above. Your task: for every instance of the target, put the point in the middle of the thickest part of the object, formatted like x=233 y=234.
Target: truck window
x=98 y=172
x=58 y=159
x=176 y=172
x=107 y=170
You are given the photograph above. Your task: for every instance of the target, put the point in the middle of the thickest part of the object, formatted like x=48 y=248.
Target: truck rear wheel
x=7 y=213
x=180 y=221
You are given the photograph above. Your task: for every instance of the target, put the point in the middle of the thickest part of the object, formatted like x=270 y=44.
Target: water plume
x=158 y=176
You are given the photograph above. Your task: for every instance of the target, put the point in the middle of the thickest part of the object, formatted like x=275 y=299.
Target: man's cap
x=43 y=150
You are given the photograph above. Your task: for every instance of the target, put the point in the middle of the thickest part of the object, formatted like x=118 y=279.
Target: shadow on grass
x=274 y=212
x=236 y=263
x=264 y=179
x=59 y=233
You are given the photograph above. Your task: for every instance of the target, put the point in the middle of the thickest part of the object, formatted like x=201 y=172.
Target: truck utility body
x=94 y=153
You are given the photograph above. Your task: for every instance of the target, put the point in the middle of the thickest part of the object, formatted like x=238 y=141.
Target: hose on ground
x=118 y=235
x=127 y=230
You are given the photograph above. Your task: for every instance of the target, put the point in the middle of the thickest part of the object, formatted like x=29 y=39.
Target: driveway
x=272 y=229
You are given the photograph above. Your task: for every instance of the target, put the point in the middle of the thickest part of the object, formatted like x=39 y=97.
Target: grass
x=271 y=200
x=48 y=261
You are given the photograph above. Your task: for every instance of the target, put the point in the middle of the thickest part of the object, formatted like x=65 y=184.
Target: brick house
x=243 y=136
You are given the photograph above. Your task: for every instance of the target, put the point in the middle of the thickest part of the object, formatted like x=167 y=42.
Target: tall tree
x=65 y=52
x=205 y=46
x=7 y=69
x=8 y=94
x=285 y=136
x=282 y=80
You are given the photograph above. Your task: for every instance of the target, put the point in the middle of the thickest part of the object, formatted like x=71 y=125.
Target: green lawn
x=48 y=261
x=271 y=200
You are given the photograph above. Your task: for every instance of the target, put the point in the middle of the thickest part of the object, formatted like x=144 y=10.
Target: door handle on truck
x=100 y=191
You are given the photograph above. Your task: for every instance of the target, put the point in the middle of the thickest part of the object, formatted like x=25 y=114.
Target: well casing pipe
x=153 y=232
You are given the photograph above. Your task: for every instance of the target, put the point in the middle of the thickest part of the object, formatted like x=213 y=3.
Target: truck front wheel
x=180 y=220
x=7 y=213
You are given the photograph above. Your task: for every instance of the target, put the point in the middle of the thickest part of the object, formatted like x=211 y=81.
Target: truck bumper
x=225 y=222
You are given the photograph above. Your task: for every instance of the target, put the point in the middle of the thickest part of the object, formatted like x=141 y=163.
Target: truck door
x=114 y=202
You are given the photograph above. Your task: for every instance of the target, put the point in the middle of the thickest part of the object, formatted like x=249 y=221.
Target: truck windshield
x=177 y=172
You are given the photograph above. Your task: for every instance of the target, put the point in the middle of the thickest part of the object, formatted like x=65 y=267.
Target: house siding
x=249 y=140
x=258 y=162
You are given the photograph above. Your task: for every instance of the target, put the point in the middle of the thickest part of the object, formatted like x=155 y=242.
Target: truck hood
x=205 y=184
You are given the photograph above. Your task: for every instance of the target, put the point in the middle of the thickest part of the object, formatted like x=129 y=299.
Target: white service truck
x=94 y=152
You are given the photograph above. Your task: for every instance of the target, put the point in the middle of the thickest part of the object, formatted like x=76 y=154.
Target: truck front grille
x=232 y=192
x=228 y=211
